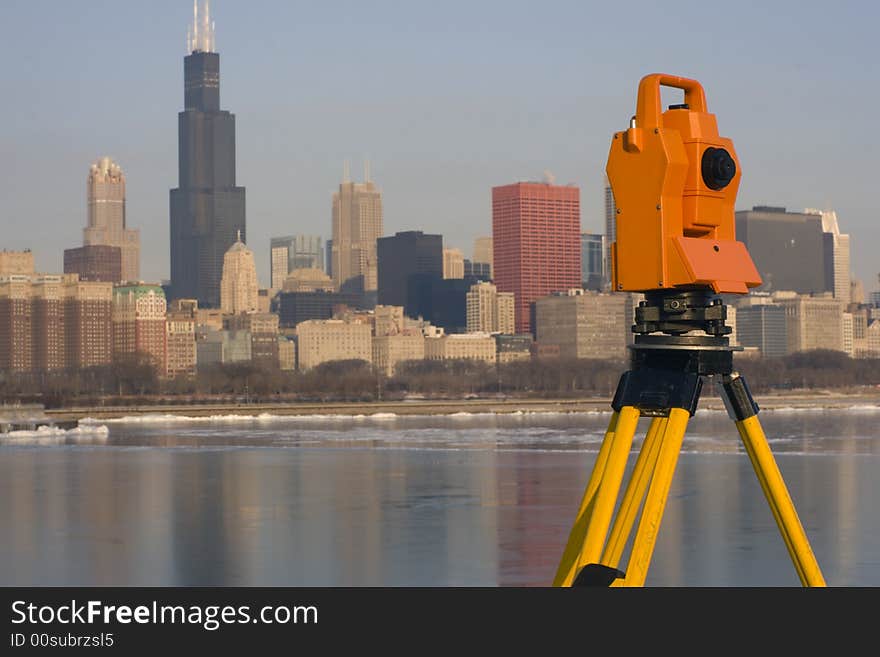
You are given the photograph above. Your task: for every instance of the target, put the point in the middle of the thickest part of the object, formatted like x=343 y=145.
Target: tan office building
x=584 y=324
x=357 y=224
x=812 y=322
x=105 y=196
x=238 y=285
x=391 y=350
x=467 y=346
x=320 y=341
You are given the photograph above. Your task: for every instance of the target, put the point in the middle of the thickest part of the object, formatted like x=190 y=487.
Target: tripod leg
x=655 y=502
x=780 y=502
x=743 y=410
x=609 y=487
x=635 y=492
x=566 y=571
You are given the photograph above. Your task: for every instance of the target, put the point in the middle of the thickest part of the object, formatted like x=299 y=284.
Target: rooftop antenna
x=346 y=171
x=200 y=37
x=195 y=27
x=366 y=170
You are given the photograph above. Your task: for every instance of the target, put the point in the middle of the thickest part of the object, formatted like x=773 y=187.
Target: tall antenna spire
x=366 y=170
x=200 y=37
x=346 y=171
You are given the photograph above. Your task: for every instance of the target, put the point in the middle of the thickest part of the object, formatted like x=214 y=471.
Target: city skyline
x=509 y=138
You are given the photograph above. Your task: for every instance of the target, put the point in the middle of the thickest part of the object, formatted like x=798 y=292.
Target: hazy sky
x=446 y=99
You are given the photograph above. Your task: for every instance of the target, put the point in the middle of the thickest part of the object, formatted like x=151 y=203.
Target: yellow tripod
x=665 y=384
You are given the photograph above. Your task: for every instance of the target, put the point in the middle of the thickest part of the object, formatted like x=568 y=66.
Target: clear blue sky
x=446 y=99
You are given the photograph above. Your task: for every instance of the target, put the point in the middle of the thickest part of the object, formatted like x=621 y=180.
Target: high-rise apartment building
x=105 y=195
x=207 y=208
x=357 y=224
x=293 y=252
x=489 y=311
x=403 y=259
x=88 y=323
x=16 y=262
x=16 y=316
x=453 y=263
x=139 y=315
x=54 y=322
x=788 y=249
x=536 y=242
x=48 y=339
x=180 y=338
x=238 y=286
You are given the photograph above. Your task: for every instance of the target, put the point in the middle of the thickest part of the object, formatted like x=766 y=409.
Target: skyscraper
x=536 y=242
x=357 y=224
x=238 y=285
x=404 y=259
x=837 y=265
x=788 y=249
x=105 y=199
x=207 y=208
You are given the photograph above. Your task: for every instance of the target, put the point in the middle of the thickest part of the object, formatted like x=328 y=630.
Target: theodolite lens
x=718 y=168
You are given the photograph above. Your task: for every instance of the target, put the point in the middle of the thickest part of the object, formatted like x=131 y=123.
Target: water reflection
x=466 y=501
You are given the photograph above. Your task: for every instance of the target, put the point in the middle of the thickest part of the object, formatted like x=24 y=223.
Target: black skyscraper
x=406 y=262
x=207 y=208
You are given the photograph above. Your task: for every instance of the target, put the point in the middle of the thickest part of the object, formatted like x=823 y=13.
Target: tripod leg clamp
x=655 y=391
x=737 y=398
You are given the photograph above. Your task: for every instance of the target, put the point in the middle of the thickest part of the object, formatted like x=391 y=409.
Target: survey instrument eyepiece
x=675 y=180
x=718 y=168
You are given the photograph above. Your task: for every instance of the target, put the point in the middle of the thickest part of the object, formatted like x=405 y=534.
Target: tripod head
x=674 y=181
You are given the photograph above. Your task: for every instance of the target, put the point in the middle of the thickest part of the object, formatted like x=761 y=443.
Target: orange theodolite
x=675 y=181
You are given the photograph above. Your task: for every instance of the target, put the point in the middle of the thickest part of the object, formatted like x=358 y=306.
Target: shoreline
x=442 y=406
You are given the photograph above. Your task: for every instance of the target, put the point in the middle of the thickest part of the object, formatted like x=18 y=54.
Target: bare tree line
x=134 y=381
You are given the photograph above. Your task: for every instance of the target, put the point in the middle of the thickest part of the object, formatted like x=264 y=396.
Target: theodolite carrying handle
x=648 y=109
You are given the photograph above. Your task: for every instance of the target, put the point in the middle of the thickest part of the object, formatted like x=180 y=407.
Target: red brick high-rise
x=536 y=243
